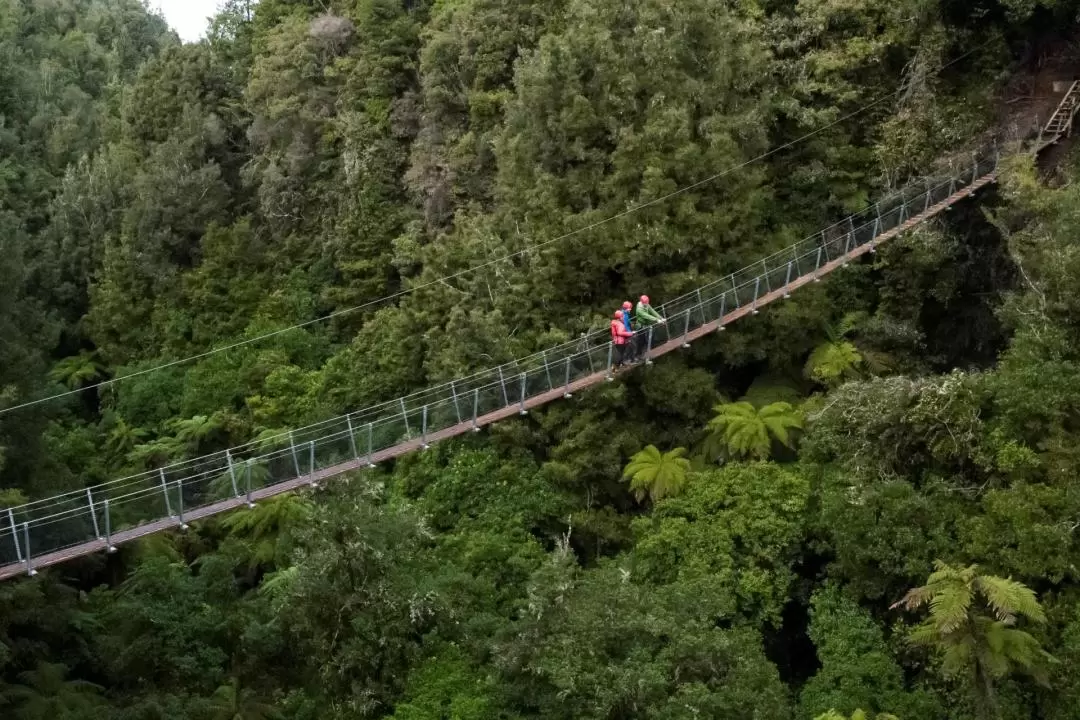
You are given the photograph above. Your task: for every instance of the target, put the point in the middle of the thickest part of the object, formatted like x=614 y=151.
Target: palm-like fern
x=746 y=431
x=77 y=370
x=192 y=431
x=264 y=529
x=45 y=693
x=247 y=473
x=123 y=438
x=156 y=453
x=972 y=619
x=837 y=359
x=657 y=474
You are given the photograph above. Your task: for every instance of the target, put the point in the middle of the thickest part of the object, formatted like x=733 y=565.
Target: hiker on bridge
x=621 y=339
x=645 y=315
x=631 y=351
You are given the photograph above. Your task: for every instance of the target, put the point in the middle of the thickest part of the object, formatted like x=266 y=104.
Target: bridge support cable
x=65 y=526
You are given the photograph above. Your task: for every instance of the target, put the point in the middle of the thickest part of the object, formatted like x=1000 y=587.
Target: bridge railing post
x=164 y=492
x=475 y=409
x=247 y=483
x=108 y=527
x=457 y=408
x=423 y=428
x=757 y=288
x=524 y=382
x=29 y=555
x=180 y=504
x=352 y=437
x=15 y=534
x=405 y=417
x=502 y=384
x=610 y=355
x=370 y=441
x=93 y=511
x=232 y=474
x=292 y=450
x=566 y=389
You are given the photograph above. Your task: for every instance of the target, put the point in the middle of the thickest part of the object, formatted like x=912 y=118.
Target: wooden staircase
x=1061 y=122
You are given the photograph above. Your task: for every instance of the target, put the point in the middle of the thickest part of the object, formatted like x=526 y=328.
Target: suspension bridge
x=68 y=525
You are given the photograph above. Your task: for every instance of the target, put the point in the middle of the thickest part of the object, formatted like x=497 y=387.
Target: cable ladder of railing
x=69 y=525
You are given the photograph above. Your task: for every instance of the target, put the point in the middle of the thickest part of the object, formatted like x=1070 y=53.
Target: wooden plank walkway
x=198 y=513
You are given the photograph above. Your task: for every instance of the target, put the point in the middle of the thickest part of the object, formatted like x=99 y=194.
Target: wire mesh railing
x=171 y=492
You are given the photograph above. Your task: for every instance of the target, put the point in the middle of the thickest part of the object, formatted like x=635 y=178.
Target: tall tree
x=972 y=622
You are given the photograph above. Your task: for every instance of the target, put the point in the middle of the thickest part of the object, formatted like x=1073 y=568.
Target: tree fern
x=77 y=370
x=746 y=431
x=657 y=474
x=833 y=362
x=265 y=528
x=971 y=621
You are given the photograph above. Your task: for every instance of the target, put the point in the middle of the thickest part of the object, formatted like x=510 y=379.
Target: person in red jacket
x=620 y=338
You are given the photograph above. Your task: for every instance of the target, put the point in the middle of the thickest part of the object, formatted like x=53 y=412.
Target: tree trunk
x=985 y=703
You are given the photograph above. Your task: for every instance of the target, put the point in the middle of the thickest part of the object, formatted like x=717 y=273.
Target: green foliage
x=447 y=685
x=857 y=669
x=732 y=535
x=857 y=715
x=77 y=370
x=162 y=200
x=832 y=362
x=45 y=692
x=658 y=475
x=231 y=702
x=746 y=431
x=973 y=641
x=266 y=530
x=593 y=644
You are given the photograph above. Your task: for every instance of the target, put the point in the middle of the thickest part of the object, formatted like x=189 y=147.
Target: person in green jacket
x=644 y=316
x=644 y=313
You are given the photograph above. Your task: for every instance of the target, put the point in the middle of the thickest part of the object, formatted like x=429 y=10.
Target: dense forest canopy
x=860 y=503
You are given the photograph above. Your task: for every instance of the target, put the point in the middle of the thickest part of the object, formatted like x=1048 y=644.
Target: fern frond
x=1008 y=598
x=949 y=608
x=850 y=322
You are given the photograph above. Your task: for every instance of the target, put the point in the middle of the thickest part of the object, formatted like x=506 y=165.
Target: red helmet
x=645 y=299
x=618 y=314
x=626 y=305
